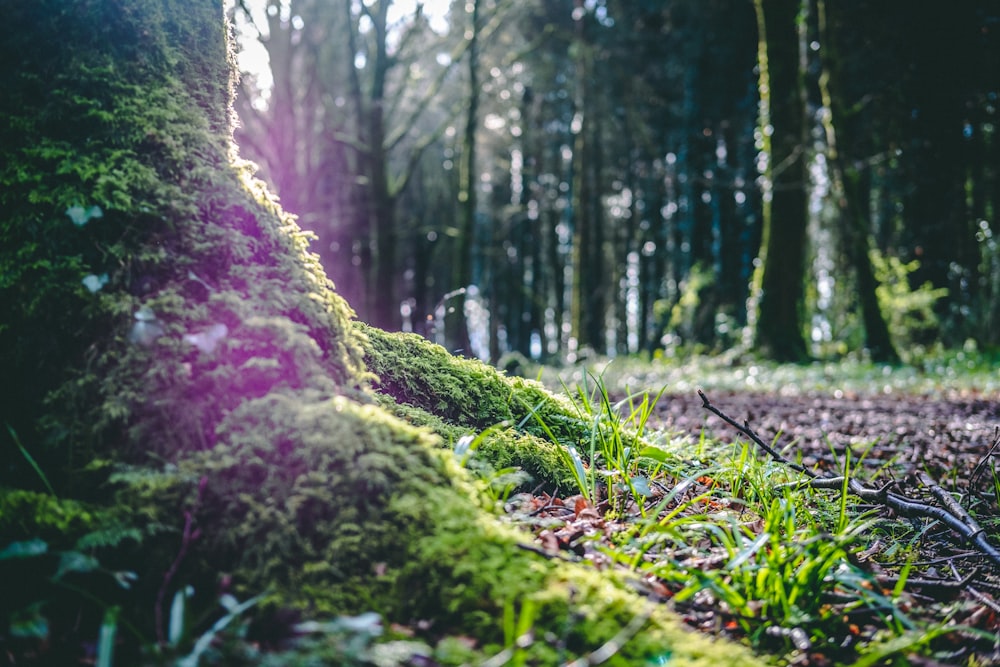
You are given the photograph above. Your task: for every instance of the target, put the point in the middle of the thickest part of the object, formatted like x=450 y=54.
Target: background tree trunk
x=847 y=184
x=779 y=325
x=456 y=324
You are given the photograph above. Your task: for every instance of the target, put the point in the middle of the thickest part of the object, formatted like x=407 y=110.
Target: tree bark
x=779 y=324
x=456 y=326
x=852 y=198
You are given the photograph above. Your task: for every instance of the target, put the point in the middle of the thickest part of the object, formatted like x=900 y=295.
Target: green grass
x=615 y=449
x=720 y=526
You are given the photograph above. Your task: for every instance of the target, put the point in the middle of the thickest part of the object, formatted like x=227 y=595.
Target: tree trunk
x=162 y=309
x=456 y=326
x=779 y=324
x=852 y=199
x=936 y=158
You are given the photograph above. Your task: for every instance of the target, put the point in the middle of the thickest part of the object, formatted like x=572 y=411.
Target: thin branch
x=745 y=429
x=977 y=594
x=430 y=93
x=962 y=525
x=188 y=537
x=981 y=465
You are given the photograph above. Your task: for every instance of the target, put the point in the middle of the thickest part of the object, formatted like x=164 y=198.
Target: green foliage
x=695 y=321
x=909 y=310
x=28 y=515
x=54 y=588
x=614 y=447
x=773 y=556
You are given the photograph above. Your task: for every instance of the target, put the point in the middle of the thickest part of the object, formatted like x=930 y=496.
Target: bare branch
x=958 y=521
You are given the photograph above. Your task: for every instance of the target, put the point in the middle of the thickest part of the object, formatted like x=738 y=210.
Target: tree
x=781 y=271
x=852 y=196
x=168 y=316
x=590 y=285
x=339 y=135
x=459 y=328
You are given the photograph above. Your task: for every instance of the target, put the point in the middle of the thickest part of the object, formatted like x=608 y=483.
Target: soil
x=899 y=434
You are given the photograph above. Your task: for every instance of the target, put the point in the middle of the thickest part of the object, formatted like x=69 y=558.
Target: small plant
x=617 y=455
x=31 y=461
x=774 y=557
x=910 y=311
x=496 y=484
x=49 y=582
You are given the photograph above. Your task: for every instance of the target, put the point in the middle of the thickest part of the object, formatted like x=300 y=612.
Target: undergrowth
x=738 y=543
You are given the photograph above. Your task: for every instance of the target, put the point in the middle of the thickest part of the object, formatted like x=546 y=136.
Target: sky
x=253 y=56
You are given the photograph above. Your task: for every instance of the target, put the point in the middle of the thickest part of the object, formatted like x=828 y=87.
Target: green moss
x=497 y=448
x=416 y=372
x=171 y=223
x=465 y=395
x=337 y=508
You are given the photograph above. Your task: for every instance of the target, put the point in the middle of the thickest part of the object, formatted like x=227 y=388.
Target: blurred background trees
x=557 y=177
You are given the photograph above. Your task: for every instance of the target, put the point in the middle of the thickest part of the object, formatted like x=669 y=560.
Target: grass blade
x=31 y=461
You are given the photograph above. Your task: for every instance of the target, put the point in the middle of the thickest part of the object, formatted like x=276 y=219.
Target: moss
x=496 y=448
x=374 y=515
x=171 y=223
x=455 y=396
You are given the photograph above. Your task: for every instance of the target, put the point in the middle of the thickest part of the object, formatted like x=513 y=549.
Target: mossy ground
x=217 y=362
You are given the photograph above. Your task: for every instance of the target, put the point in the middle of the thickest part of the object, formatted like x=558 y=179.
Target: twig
x=546 y=553
x=949 y=503
x=936 y=583
x=981 y=464
x=745 y=429
x=979 y=595
x=902 y=505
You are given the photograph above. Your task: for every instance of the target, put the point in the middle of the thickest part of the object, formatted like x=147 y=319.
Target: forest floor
x=905 y=433
x=896 y=436
x=943 y=435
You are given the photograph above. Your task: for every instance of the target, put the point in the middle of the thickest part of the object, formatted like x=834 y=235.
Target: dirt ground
x=944 y=436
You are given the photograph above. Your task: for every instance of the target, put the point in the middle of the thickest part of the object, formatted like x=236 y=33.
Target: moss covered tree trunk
x=162 y=313
x=780 y=276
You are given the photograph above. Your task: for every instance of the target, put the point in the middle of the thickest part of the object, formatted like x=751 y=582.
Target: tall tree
x=848 y=186
x=468 y=183
x=940 y=92
x=590 y=287
x=780 y=274
x=356 y=103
